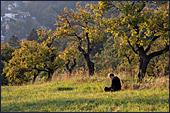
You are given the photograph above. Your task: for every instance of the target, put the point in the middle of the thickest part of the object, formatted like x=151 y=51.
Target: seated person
x=115 y=85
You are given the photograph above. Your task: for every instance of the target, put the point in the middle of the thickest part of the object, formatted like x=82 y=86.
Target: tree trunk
x=144 y=58
x=142 y=67
x=35 y=76
x=50 y=73
x=90 y=65
x=71 y=68
x=91 y=68
x=69 y=72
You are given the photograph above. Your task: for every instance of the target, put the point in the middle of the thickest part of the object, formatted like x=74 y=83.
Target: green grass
x=85 y=94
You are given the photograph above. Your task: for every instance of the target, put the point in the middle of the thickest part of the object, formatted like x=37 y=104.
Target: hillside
x=19 y=17
x=86 y=94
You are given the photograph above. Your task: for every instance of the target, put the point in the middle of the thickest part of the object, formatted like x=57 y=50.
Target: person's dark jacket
x=115 y=85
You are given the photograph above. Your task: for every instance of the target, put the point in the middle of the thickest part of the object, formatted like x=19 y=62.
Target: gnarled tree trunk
x=143 y=57
x=143 y=63
x=71 y=68
x=90 y=64
x=90 y=68
x=50 y=74
x=144 y=60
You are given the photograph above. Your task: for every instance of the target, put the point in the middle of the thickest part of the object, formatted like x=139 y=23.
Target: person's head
x=111 y=75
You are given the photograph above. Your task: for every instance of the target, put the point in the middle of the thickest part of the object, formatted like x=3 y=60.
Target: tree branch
x=131 y=45
x=129 y=60
x=70 y=27
x=67 y=65
x=42 y=70
x=150 y=56
x=143 y=5
x=153 y=39
x=81 y=50
x=50 y=43
x=88 y=43
x=74 y=33
x=133 y=3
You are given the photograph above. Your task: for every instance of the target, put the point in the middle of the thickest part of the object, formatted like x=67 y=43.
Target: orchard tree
x=83 y=27
x=6 y=55
x=52 y=61
x=69 y=55
x=127 y=60
x=116 y=57
x=6 y=52
x=24 y=63
x=70 y=69
x=159 y=66
x=32 y=58
x=140 y=25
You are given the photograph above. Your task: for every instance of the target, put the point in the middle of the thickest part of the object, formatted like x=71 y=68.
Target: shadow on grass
x=62 y=104
x=65 y=88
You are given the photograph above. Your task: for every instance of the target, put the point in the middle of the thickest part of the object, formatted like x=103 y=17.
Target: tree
x=71 y=68
x=69 y=55
x=140 y=26
x=159 y=66
x=6 y=52
x=127 y=60
x=23 y=63
x=53 y=60
x=116 y=57
x=32 y=35
x=6 y=55
x=20 y=28
x=31 y=59
x=13 y=41
x=81 y=26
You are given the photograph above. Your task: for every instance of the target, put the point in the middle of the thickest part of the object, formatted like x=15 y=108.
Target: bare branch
x=158 y=52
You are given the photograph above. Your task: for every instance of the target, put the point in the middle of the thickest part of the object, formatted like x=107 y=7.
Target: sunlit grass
x=85 y=94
